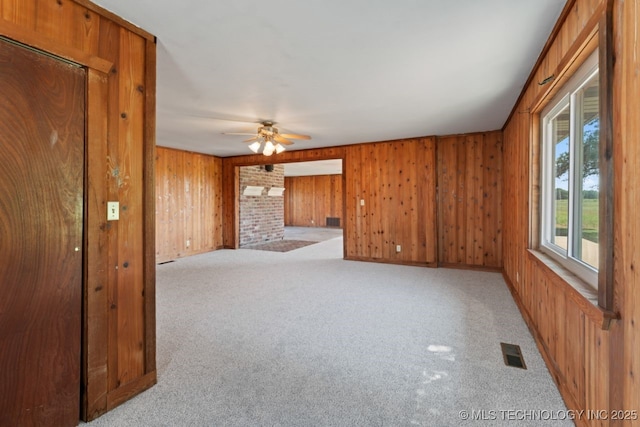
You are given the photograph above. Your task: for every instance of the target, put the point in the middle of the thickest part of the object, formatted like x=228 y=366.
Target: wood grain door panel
x=42 y=124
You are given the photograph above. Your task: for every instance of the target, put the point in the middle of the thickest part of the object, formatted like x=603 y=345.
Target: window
x=570 y=190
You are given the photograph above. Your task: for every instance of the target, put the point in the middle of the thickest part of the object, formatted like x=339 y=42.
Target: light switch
x=113 y=211
x=361 y=202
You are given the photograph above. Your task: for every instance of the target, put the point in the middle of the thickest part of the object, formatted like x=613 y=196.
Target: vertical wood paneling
x=460 y=208
x=110 y=48
x=64 y=23
x=596 y=369
x=361 y=157
x=391 y=178
x=491 y=195
x=353 y=195
x=68 y=24
x=573 y=367
x=309 y=200
x=560 y=332
x=627 y=196
x=213 y=194
x=470 y=199
x=371 y=245
x=189 y=203
x=149 y=208
x=20 y=12
x=119 y=323
x=95 y=283
x=447 y=236
x=129 y=168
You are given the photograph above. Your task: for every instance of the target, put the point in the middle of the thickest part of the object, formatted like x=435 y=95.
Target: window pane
x=560 y=144
x=570 y=174
x=588 y=174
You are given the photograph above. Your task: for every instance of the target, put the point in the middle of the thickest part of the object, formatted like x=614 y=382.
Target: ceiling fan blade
x=212 y=115
x=295 y=136
x=281 y=140
x=255 y=138
x=238 y=133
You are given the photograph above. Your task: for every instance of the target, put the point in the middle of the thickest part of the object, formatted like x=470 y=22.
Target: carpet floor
x=253 y=338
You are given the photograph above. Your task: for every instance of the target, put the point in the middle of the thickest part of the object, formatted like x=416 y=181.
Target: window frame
x=597 y=34
x=566 y=96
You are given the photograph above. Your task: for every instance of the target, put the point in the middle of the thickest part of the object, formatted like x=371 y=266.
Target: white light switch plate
x=113 y=211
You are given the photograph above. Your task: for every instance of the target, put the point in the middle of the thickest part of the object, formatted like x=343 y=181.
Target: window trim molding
x=563 y=98
x=597 y=34
x=606 y=209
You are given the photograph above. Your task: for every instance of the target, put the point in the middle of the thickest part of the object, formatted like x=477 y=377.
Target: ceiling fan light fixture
x=255 y=147
x=269 y=140
x=269 y=148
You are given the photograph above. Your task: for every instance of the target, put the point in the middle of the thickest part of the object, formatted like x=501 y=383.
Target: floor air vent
x=512 y=355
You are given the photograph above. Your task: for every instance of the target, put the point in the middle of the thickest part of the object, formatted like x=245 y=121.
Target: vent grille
x=512 y=355
x=333 y=222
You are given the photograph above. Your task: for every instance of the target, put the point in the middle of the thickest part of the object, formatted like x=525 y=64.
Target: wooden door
x=42 y=105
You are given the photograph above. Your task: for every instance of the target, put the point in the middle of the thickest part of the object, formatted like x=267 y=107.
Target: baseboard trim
x=177 y=256
x=470 y=267
x=391 y=261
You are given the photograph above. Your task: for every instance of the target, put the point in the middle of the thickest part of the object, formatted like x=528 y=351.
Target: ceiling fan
x=268 y=140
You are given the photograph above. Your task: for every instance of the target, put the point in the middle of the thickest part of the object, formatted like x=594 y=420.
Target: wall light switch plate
x=113 y=211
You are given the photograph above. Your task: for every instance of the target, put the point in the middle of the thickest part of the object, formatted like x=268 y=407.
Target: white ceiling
x=342 y=71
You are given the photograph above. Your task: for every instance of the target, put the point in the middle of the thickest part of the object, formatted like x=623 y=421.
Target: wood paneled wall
x=119 y=256
x=390 y=195
x=625 y=362
x=470 y=200
x=309 y=200
x=189 y=203
x=593 y=360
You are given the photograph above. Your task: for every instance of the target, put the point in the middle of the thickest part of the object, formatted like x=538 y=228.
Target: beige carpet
x=257 y=338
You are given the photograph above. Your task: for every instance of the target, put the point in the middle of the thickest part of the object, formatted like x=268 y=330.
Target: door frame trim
x=95 y=391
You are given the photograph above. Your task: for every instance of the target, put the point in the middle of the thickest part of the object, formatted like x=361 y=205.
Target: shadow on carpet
x=280 y=245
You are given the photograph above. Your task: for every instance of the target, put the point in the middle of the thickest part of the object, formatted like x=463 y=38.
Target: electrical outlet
x=113 y=211
x=398 y=248
x=361 y=202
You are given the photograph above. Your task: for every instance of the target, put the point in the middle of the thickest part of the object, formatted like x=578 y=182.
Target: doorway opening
x=283 y=207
